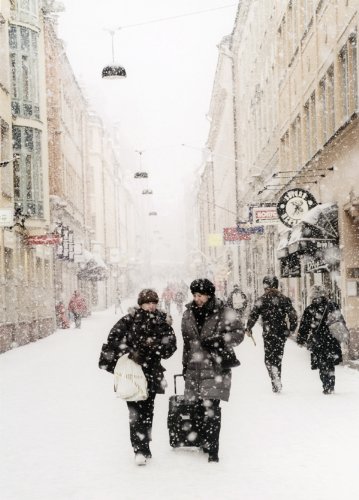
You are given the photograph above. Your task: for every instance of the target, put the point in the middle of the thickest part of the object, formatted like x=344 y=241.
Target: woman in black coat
x=314 y=332
x=145 y=334
x=210 y=330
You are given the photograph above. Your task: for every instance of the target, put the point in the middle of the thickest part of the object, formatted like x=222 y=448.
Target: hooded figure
x=314 y=333
x=210 y=330
x=275 y=309
x=146 y=335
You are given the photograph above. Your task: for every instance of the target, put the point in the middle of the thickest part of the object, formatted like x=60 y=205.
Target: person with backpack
x=146 y=335
x=275 y=309
x=325 y=350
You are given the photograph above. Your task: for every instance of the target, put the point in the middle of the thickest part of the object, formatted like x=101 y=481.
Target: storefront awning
x=93 y=268
x=317 y=230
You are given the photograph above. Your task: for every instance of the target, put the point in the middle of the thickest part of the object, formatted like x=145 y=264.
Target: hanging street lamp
x=113 y=71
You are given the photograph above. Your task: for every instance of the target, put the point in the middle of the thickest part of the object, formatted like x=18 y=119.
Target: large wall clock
x=293 y=204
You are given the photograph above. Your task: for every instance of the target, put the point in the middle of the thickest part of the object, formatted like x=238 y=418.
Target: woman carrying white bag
x=136 y=344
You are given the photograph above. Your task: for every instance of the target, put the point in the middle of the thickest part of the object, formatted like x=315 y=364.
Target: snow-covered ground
x=64 y=436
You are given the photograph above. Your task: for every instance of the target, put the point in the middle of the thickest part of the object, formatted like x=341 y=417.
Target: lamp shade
x=113 y=71
x=141 y=175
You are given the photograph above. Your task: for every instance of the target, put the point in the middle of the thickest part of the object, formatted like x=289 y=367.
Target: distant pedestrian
x=237 y=300
x=210 y=330
x=179 y=300
x=275 y=310
x=118 y=306
x=146 y=335
x=77 y=306
x=314 y=333
x=62 y=320
x=167 y=297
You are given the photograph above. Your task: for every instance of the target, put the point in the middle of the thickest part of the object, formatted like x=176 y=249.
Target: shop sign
x=315 y=265
x=265 y=215
x=290 y=267
x=43 y=239
x=250 y=229
x=293 y=205
x=6 y=217
x=215 y=240
x=231 y=235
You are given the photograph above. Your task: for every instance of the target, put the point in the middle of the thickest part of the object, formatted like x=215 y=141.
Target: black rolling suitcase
x=181 y=421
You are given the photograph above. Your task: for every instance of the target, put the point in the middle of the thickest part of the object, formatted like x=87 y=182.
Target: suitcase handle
x=174 y=379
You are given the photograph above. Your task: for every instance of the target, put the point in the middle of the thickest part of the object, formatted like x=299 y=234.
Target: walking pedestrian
x=118 y=305
x=315 y=334
x=77 y=306
x=179 y=300
x=210 y=330
x=61 y=315
x=167 y=297
x=275 y=310
x=147 y=337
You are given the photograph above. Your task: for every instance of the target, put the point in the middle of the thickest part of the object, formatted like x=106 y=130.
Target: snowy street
x=64 y=435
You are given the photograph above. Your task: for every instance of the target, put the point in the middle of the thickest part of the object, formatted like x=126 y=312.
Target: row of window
x=328 y=107
x=295 y=23
x=28 y=182
x=23 y=44
x=33 y=269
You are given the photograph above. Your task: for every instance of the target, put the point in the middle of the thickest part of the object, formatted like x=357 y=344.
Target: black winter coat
x=203 y=350
x=314 y=332
x=275 y=309
x=147 y=338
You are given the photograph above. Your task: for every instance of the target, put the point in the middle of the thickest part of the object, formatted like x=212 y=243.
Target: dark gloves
x=213 y=343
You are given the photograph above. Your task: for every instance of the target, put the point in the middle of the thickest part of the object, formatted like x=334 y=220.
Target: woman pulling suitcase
x=210 y=330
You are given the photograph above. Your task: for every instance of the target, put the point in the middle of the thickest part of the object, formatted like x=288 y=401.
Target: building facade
x=60 y=183
x=295 y=70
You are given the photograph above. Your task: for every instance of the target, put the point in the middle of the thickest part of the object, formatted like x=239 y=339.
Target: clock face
x=293 y=205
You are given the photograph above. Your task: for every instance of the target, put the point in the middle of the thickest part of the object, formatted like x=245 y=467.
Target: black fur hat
x=147 y=295
x=203 y=286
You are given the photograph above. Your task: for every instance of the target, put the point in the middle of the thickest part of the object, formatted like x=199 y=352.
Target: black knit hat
x=147 y=295
x=270 y=282
x=203 y=286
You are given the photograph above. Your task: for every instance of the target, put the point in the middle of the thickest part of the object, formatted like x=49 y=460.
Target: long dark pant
x=273 y=355
x=77 y=318
x=141 y=418
x=327 y=375
x=208 y=423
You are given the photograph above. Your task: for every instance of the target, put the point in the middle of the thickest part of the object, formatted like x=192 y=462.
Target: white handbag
x=130 y=381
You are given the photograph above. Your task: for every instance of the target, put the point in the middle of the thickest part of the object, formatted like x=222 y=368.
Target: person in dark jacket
x=210 y=330
x=146 y=335
x=275 y=309
x=314 y=333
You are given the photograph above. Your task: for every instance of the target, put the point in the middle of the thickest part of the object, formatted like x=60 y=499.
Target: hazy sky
x=164 y=99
